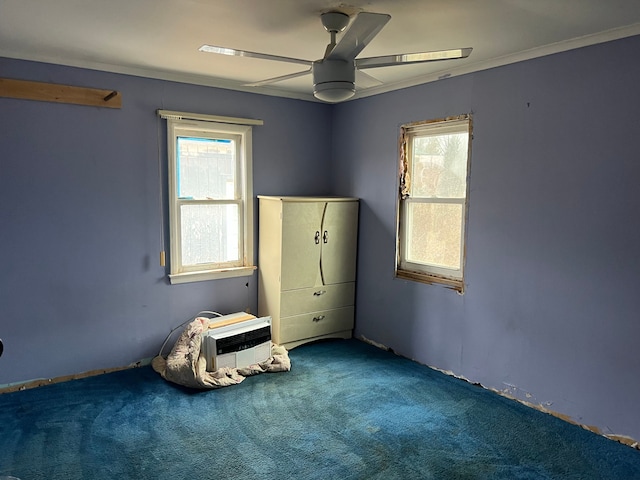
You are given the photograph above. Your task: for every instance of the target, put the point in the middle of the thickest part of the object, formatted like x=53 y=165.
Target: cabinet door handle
x=319 y=292
x=325 y=236
x=317 y=237
x=318 y=318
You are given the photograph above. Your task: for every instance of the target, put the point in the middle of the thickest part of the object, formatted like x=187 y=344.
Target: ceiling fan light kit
x=334 y=92
x=334 y=80
x=334 y=75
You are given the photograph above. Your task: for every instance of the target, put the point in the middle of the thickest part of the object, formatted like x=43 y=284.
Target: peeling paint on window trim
x=404 y=185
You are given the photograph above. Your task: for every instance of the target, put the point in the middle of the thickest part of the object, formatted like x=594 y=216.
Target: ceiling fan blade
x=409 y=58
x=364 y=80
x=278 y=79
x=244 y=53
x=358 y=35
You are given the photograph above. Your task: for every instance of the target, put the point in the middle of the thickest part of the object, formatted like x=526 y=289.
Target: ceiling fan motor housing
x=334 y=80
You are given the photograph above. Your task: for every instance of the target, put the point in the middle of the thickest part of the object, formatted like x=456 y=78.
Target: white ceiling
x=160 y=38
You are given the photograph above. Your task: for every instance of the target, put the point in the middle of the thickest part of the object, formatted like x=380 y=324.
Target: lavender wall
x=81 y=287
x=551 y=312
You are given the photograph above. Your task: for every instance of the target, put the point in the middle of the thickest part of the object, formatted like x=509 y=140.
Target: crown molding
x=551 y=49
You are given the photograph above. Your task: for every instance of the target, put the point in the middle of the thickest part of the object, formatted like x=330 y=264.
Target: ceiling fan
x=334 y=75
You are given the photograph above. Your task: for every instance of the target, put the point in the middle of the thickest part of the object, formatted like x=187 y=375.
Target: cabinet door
x=339 y=242
x=301 y=224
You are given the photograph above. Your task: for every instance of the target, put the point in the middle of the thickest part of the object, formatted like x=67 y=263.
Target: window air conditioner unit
x=237 y=341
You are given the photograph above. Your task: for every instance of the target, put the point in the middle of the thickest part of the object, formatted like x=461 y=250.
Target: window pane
x=210 y=234
x=206 y=168
x=434 y=234
x=439 y=165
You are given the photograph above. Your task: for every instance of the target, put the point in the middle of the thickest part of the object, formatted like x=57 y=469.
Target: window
x=432 y=205
x=210 y=198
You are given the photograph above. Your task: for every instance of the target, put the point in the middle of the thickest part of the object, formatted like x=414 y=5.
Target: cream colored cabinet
x=307 y=267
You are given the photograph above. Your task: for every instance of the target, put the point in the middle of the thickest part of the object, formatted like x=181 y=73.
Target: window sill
x=205 y=275
x=457 y=285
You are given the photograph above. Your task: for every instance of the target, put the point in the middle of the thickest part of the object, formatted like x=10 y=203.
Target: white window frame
x=425 y=273
x=211 y=127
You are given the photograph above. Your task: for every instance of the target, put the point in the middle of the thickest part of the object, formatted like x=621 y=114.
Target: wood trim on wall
x=53 y=92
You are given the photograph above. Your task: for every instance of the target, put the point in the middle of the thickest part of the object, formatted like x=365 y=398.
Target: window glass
x=433 y=234
x=210 y=234
x=206 y=168
x=439 y=165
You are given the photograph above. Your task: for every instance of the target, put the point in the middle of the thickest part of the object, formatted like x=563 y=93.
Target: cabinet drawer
x=299 y=327
x=326 y=297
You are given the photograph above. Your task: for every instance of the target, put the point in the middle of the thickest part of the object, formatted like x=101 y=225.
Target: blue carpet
x=346 y=410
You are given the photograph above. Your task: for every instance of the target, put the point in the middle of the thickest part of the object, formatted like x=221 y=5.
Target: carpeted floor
x=346 y=410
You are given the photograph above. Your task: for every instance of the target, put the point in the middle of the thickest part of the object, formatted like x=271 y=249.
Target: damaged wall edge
x=41 y=382
x=623 y=439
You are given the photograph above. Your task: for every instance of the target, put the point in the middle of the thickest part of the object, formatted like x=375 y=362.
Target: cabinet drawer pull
x=319 y=292
x=317 y=237
x=318 y=318
x=325 y=237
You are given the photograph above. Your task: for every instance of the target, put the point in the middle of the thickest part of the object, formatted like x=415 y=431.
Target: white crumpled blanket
x=185 y=366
